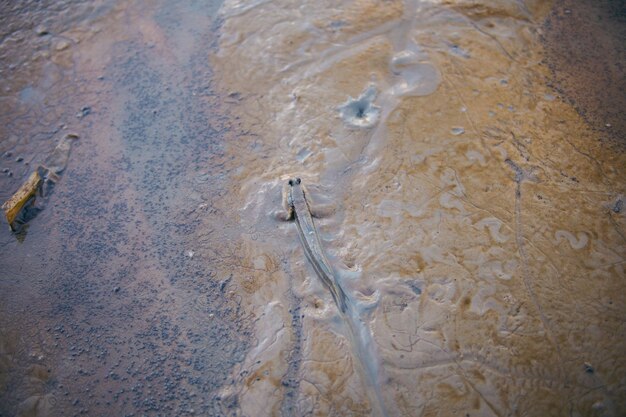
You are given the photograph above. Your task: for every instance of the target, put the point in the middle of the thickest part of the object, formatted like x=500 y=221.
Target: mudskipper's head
x=294 y=181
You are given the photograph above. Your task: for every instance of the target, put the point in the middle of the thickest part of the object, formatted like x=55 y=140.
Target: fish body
x=301 y=213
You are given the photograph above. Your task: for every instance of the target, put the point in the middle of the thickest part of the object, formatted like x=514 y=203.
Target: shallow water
x=471 y=215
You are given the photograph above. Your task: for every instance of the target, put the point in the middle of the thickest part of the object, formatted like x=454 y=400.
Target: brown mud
x=474 y=219
x=476 y=214
x=586 y=50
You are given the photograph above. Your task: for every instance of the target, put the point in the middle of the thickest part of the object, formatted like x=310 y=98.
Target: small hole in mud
x=361 y=112
x=367 y=292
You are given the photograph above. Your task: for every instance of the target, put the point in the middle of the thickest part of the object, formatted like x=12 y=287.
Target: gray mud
x=472 y=216
x=586 y=50
x=103 y=310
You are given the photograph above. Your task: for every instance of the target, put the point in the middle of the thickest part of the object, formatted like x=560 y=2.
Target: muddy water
x=116 y=299
x=473 y=219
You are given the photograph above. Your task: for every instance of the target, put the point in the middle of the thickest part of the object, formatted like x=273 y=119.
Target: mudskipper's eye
x=291 y=182
x=298 y=181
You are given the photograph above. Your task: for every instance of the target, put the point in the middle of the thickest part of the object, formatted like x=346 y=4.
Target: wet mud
x=117 y=301
x=472 y=208
x=472 y=216
x=585 y=48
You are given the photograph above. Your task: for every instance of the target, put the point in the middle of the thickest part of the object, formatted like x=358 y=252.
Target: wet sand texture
x=102 y=296
x=470 y=213
x=586 y=49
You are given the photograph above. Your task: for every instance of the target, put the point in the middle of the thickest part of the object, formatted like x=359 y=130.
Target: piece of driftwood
x=13 y=206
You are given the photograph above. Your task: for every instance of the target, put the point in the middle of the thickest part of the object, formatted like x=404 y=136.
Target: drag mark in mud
x=299 y=210
x=290 y=380
x=358 y=332
x=520 y=176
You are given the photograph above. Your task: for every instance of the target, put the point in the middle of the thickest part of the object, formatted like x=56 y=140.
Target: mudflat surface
x=105 y=310
x=585 y=45
x=471 y=211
